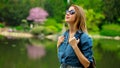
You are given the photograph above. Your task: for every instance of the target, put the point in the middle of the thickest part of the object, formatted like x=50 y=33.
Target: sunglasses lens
x=71 y=12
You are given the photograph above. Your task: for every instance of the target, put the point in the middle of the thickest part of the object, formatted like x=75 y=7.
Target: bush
x=110 y=30
x=43 y=30
x=53 y=24
x=93 y=20
x=37 y=30
x=19 y=28
x=50 y=26
x=2 y=25
x=51 y=30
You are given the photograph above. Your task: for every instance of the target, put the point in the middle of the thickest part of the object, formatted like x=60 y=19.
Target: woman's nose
x=67 y=14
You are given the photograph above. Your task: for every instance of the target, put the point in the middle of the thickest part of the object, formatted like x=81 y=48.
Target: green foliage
x=19 y=28
x=110 y=30
x=25 y=25
x=2 y=25
x=93 y=20
x=50 y=30
x=16 y=10
x=94 y=15
x=111 y=10
x=53 y=24
x=49 y=27
x=96 y=5
x=38 y=30
x=56 y=9
x=13 y=11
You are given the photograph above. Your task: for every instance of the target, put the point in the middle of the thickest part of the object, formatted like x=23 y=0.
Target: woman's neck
x=72 y=29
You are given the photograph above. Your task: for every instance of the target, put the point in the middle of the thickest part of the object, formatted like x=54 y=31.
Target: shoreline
x=52 y=37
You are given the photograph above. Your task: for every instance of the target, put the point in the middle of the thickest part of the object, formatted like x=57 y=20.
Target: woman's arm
x=81 y=57
x=84 y=61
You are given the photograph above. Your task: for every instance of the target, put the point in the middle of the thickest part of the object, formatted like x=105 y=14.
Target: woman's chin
x=66 y=20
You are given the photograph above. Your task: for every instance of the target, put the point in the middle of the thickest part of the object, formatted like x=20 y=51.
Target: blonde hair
x=80 y=20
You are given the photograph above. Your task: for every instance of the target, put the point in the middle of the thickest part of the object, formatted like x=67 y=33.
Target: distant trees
x=14 y=11
x=111 y=11
x=110 y=8
x=56 y=9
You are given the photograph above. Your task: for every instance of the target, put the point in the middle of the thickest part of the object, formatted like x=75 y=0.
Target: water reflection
x=35 y=51
x=107 y=52
x=20 y=53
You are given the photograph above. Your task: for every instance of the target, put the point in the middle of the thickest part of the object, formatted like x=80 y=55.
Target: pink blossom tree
x=37 y=14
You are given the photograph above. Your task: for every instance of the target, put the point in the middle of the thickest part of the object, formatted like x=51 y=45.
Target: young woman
x=75 y=46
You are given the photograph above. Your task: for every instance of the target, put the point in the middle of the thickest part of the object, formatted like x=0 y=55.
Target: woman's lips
x=67 y=17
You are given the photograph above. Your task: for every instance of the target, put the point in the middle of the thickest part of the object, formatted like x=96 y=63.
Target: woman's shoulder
x=84 y=36
x=65 y=33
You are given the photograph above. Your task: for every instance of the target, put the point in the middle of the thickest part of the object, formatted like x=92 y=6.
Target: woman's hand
x=84 y=61
x=73 y=41
x=60 y=40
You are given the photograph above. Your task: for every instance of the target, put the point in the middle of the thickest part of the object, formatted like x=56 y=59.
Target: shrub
x=19 y=28
x=50 y=30
x=110 y=30
x=50 y=26
x=37 y=30
x=53 y=24
x=2 y=25
x=43 y=30
x=93 y=20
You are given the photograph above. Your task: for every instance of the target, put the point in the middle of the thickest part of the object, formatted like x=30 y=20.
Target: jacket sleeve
x=86 y=46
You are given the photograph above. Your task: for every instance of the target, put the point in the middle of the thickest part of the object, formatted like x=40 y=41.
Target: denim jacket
x=66 y=53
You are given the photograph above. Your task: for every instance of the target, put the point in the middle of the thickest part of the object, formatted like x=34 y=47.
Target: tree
x=111 y=10
x=56 y=9
x=13 y=11
x=37 y=14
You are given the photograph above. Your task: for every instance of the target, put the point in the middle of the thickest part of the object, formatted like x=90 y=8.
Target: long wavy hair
x=80 y=19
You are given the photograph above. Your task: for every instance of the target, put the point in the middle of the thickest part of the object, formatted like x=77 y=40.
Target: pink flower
x=37 y=15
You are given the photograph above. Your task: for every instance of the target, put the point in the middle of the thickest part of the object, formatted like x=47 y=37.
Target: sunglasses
x=71 y=12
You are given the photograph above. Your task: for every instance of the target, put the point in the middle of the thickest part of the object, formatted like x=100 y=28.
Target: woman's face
x=70 y=15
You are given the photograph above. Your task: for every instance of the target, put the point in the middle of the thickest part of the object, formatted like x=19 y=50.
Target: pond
x=36 y=53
